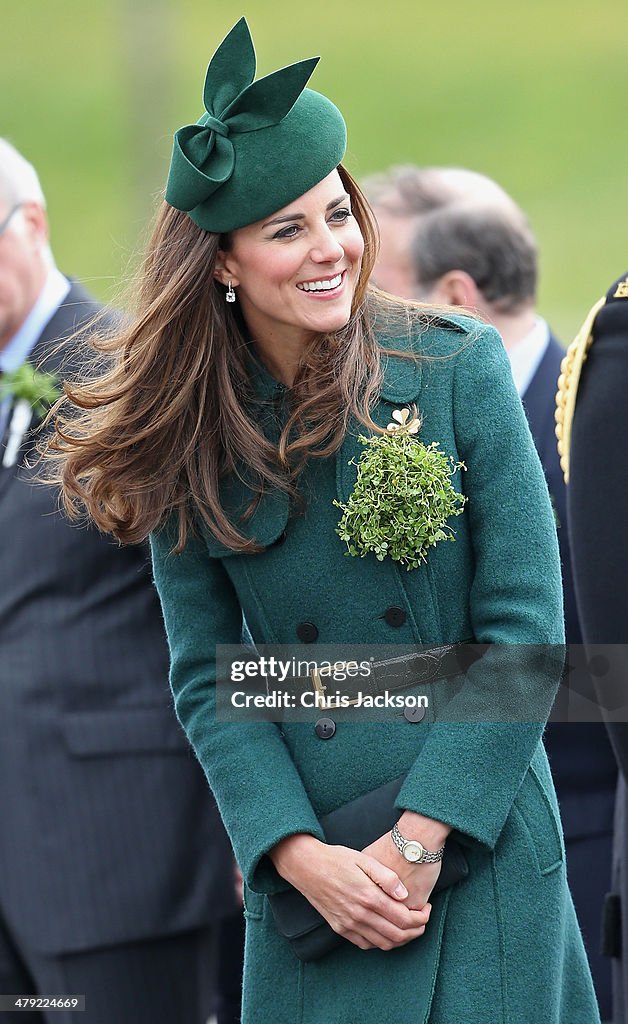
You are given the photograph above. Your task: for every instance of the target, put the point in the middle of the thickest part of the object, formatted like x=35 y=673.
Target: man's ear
x=225 y=271
x=36 y=222
x=457 y=288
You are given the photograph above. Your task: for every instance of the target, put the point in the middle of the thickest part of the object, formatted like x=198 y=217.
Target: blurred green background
x=534 y=95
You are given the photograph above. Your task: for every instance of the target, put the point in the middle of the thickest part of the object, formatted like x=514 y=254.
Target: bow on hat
x=203 y=157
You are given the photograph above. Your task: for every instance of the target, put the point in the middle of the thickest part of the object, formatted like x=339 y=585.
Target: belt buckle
x=331 y=703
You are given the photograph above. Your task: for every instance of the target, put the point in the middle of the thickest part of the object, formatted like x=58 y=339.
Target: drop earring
x=231 y=295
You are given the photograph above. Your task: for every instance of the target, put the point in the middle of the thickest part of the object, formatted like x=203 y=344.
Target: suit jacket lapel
x=75 y=311
x=539 y=397
x=6 y=472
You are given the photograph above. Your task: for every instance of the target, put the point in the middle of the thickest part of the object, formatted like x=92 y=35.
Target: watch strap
x=429 y=857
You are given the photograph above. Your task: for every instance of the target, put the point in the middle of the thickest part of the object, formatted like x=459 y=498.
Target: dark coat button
x=307 y=632
x=414 y=714
x=325 y=728
x=395 y=616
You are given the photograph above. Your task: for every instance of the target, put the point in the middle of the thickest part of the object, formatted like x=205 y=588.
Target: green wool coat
x=503 y=946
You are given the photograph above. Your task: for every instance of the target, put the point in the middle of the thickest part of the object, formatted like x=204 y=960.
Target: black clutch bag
x=356 y=824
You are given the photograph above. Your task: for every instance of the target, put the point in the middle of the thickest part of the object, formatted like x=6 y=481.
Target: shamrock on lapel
x=32 y=393
x=39 y=389
x=403 y=495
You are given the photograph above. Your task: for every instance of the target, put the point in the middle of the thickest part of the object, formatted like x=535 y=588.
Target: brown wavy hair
x=174 y=414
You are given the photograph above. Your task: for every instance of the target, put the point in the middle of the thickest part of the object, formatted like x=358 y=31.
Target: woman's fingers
x=383 y=940
x=405 y=927
x=360 y=897
x=400 y=916
x=378 y=929
x=358 y=940
x=396 y=926
x=384 y=877
x=418 y=879
x=391 y=885
x=374 y=938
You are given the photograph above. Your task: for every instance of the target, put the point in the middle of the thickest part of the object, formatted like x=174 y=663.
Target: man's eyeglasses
x=5 y=223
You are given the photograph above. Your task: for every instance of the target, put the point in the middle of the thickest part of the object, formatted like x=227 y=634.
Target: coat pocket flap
x=533 y=804
x=123 y=731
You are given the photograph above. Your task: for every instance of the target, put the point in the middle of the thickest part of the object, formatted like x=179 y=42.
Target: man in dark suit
x=452 y=236
x=596 y=382
x=114 y=868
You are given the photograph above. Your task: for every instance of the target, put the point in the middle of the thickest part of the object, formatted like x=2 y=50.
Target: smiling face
x=296 y=271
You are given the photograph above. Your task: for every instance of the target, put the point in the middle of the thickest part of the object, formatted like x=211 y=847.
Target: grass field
x=533 y=95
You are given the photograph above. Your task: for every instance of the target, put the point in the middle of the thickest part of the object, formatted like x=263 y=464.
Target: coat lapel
x=401 y=387
x=267 y=523
x=270 y=517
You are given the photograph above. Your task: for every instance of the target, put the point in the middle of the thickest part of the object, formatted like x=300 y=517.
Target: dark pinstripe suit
x=108 y=834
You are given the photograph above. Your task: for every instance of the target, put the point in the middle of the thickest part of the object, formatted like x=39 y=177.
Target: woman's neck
x=282 y=356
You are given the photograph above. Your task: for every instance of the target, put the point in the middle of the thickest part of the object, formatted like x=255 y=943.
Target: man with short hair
x=403 y=195
x=114 y=867
x=454 y=237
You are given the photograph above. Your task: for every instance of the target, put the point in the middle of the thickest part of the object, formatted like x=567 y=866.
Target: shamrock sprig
x=403 y=496
x=26 y=383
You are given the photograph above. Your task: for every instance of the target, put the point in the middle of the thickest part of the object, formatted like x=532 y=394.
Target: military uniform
x=593 y=439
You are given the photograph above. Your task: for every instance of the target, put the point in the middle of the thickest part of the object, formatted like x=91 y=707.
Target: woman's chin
x=332 y=320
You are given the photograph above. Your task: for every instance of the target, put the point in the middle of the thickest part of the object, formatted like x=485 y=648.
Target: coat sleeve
x=259 y=807
x=469 y=770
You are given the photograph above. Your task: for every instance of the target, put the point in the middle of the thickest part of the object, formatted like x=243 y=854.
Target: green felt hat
x=259 y=146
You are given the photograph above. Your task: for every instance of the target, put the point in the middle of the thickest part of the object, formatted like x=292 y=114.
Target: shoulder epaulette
x=570 y=370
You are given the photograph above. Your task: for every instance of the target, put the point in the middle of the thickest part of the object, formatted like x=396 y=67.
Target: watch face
x=413 y=851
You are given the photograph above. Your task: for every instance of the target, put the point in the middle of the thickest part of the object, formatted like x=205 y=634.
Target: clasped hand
x=419 y=879
x=366 y=896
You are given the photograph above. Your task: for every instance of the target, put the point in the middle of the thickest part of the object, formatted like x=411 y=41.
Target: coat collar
x=402 y=379
x=401 y=386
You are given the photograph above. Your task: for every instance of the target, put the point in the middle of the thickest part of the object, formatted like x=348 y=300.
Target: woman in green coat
x=229 y=428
